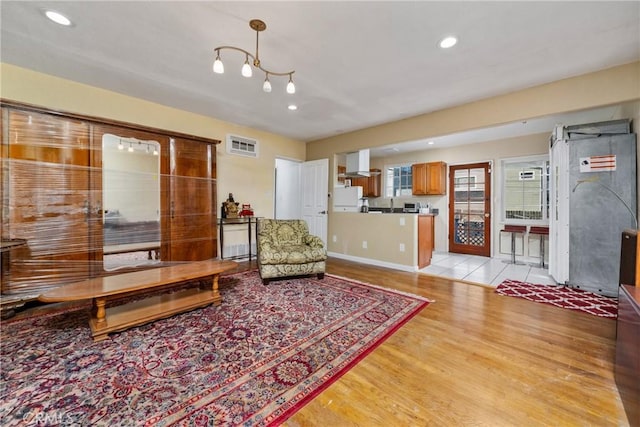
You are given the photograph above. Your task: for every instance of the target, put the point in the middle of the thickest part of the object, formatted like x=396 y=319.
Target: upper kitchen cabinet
x=342 y=170
x=429 y=179
x=371 y=185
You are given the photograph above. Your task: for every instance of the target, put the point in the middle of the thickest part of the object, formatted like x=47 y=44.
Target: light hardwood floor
x=473 y=358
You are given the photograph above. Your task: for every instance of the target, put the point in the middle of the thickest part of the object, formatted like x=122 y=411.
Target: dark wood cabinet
x=341 y=171
x=630 y=258
x=52 y=195
x=46 y=200
x=627 y=368
x=192 y=200
x=372 y=185
x=429 y=179
x=426 y=240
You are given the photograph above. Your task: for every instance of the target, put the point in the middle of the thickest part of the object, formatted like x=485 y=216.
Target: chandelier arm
x=273 y=73
x=219 y=48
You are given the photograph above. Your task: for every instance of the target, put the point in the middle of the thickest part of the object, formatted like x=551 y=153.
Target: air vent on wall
x=242 y=146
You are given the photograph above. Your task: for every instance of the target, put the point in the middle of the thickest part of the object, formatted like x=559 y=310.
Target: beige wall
x=493 y=151
x=608 y=87
x=613 y=86
x=250 y=180
x=383 y=234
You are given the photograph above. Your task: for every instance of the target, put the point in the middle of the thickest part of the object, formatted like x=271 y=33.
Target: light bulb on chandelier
x=258 y=26
x=267 y=84
x=246 y=68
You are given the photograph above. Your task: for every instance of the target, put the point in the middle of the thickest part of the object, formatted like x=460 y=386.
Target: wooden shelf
x=147 y=310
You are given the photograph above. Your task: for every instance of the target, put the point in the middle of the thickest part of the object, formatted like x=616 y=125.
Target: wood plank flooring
x=474 y=358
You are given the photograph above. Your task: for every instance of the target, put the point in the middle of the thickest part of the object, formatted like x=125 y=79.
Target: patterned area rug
x=561 y=296
x=253 y=360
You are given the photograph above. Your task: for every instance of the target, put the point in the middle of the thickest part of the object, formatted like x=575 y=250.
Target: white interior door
x=315 y=189
x=288 y=194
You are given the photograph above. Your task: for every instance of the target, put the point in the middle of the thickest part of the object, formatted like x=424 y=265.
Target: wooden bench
x=104 y=289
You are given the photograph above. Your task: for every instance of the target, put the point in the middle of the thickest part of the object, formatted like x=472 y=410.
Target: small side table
x=251 y=223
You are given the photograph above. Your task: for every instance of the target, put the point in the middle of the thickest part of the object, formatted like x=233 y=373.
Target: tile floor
x=487 y=271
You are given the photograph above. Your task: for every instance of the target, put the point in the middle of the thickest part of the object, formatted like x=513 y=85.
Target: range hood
x=358 y=164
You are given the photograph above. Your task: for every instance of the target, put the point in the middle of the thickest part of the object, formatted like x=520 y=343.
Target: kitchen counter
x=397 y=211
x=381 y=239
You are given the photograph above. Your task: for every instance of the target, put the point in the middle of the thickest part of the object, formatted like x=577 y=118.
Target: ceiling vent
x=241 y=146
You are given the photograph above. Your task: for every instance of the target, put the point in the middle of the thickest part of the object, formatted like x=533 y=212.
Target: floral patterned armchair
x=285 y=248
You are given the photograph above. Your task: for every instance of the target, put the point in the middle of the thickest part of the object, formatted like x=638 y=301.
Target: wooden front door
x=470 y=209
x=47 y=200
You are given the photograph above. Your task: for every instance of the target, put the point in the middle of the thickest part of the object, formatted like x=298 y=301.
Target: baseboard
x=375 y=262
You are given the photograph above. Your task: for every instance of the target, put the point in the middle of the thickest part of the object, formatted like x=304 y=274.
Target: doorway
x=301 y=190
x=288 y=204
x=470 y=209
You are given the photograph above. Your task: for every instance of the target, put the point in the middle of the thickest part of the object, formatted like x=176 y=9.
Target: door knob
x=323 y=212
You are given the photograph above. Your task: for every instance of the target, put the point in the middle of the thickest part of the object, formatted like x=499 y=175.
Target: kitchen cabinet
x=426 y=240
x=341 y=171
x=429 y=179
x=372 y=185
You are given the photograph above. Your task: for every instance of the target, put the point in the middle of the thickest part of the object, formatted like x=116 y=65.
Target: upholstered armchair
x=285 y=248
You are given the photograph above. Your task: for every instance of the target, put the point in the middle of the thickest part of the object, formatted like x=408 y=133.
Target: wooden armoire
x=52 y=197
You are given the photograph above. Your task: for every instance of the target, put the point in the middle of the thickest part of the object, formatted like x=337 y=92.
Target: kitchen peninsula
x=402 y=241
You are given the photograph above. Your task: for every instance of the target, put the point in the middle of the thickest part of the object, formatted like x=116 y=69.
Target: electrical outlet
x=335 y=238
x=364 y=244
x=401 y=247
x=401 y=220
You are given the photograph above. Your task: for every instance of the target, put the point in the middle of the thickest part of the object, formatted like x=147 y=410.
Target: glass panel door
x=469 y=209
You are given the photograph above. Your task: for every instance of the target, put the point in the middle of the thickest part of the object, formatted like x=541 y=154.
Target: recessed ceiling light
x=448 y=42
x=292 y=107
x=58 y=18
x=430 y=143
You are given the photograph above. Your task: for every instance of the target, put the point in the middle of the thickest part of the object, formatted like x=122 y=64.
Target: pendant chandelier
x=258 y=26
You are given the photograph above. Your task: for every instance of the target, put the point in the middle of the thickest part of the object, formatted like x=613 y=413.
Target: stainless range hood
x=358 y=164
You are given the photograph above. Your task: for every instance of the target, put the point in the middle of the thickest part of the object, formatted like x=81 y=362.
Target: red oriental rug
x=254 y=360
x=561 y=296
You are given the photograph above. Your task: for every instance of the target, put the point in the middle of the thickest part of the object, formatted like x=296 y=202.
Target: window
x=465 y=181
x=525 y=190
x=398 y=181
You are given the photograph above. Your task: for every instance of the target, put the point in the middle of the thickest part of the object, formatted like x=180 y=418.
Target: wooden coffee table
x=104 y=289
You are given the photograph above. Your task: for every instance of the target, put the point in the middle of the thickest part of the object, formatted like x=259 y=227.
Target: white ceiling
x=357 y=64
